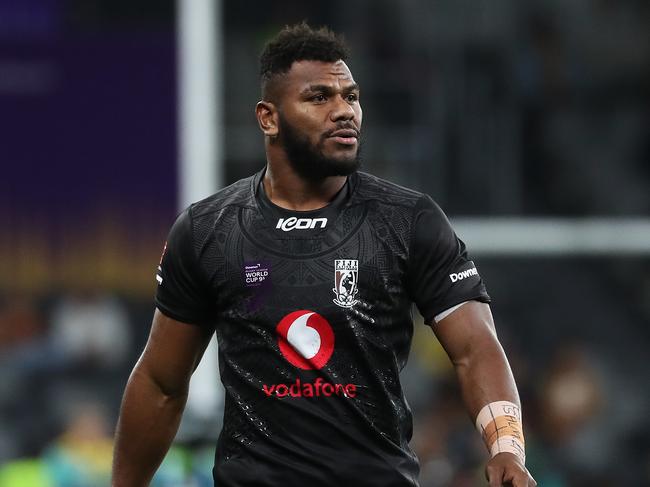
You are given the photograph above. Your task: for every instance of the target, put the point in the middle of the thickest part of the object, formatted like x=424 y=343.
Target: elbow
x=167 y=389
x=174 y=394
x=464 y=360
x=476 y=354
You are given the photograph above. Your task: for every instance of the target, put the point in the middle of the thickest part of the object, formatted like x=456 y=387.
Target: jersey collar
x=301 y=224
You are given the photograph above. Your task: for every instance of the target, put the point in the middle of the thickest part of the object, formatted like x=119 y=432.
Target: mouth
x=345 y=136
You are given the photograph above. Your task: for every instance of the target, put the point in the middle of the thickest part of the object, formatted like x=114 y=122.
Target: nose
x=342 y=110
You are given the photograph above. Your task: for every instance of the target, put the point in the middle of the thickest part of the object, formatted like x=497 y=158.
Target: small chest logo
x=256 y=274
x=346 y=277
x=293 y=223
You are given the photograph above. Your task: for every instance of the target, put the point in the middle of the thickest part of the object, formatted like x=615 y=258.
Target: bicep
x=172 y=352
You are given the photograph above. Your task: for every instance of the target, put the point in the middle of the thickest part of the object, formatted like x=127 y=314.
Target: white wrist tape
x=500 y=426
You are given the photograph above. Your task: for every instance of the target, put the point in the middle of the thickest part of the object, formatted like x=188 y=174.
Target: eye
x=319 y=98
x=352 y=97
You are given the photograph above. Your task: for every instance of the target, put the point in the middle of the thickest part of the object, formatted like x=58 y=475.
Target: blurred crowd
x=64 y=362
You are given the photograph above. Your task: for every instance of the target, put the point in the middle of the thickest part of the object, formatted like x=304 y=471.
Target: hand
x=507 y=469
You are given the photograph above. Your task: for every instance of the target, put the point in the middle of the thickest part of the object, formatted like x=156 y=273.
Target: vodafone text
x=459 y=276
x=306 y=389
x=293 y=223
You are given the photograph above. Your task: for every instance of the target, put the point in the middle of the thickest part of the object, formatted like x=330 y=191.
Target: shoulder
x=411 y=208
x=199 y=219
x=387 y=193
x=238 y=194
x=370 y=187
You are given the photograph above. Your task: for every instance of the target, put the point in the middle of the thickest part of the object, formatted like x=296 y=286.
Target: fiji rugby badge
x=346 y=277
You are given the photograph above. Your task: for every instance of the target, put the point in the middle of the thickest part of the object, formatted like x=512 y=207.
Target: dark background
x=520 y=109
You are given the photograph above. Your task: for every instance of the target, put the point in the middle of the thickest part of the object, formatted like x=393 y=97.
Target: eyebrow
x=329 y=90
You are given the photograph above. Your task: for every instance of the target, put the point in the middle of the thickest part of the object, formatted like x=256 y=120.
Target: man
x=307 y=271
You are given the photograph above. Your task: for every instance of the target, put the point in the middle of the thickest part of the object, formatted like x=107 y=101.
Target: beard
x=309 y=161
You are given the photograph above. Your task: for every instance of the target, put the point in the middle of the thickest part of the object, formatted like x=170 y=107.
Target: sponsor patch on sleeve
x=464 y=274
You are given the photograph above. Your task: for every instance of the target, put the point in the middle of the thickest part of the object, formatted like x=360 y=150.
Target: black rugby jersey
x=312 y=311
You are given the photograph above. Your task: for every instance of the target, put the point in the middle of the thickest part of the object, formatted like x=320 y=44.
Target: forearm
x=484 y=377
x=490 y=394
x=489 y=391
x=148 y=422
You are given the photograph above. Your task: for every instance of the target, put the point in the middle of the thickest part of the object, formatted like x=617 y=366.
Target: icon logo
x=293 y=223
x=346 y=276
x=306 y=339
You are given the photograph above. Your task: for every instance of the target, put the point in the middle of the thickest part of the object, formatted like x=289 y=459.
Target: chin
x=343 y=164
x=342 y=167
x=315 y=163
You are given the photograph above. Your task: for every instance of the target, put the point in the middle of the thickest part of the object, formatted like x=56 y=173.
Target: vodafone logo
x=306 y=339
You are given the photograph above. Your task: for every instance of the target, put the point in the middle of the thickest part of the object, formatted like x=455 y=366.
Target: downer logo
x=459 y=276
x=293 y=223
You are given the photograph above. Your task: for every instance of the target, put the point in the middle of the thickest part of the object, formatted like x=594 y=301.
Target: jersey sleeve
x=440 y=273
x=183 y=292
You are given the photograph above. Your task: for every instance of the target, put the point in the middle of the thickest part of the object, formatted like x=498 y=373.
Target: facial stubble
x=309 y=161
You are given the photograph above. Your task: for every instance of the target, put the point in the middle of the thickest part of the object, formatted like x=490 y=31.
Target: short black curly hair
x=299 y=42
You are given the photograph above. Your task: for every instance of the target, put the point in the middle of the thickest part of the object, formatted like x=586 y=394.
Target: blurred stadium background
x=528 y=121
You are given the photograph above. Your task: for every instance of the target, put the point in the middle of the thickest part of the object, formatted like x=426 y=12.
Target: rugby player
x=306 y=271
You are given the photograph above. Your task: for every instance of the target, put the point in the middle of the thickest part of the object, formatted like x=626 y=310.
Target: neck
x=288 y=190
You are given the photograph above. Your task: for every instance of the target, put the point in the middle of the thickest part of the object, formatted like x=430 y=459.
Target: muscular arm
x=468 y=336
x=154 y=399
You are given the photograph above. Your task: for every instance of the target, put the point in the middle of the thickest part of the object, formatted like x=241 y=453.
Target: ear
x=267 y=118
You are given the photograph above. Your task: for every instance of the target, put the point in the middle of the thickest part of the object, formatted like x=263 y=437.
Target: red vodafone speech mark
x=305 y=339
